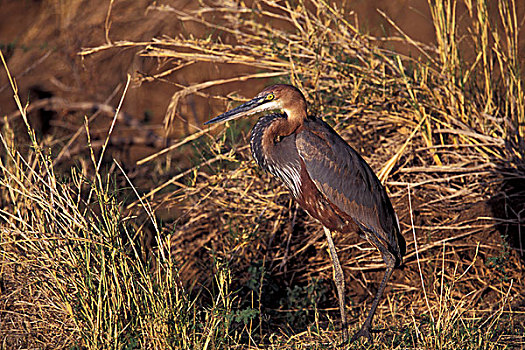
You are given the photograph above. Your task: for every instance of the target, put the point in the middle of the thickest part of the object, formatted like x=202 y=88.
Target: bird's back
x=348 y=183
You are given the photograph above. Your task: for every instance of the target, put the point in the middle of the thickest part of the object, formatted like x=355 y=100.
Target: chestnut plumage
x=328 y=179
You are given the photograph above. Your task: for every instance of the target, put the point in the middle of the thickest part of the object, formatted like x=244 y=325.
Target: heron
x=327 y=178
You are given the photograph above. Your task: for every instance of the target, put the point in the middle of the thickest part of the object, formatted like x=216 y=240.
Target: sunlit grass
x=241 y=267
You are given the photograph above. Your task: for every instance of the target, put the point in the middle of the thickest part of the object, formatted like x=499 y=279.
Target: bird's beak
x=248 y=108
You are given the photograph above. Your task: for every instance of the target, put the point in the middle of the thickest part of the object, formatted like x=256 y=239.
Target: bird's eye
x=270 y=97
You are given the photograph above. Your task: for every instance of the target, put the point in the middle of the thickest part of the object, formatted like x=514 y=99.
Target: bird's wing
x=347 y=181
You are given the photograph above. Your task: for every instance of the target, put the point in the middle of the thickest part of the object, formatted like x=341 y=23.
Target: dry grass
x=85 y=257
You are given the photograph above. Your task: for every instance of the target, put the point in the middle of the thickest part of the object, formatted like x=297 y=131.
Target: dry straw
x=444 y=133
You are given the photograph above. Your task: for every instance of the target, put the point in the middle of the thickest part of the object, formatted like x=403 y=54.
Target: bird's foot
x=365 y=331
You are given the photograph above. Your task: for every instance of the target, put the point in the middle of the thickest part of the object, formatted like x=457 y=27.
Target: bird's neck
x=295 y=117
x=277 y=129
x=268 y=131
x=282 y=127
x=273 y=148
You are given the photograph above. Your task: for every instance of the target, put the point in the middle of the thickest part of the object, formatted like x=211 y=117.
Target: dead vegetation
x=86 y=257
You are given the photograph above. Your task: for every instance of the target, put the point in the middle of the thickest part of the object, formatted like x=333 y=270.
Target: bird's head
x=281 y=97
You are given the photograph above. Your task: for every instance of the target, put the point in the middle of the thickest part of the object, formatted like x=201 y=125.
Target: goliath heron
x=328 y=179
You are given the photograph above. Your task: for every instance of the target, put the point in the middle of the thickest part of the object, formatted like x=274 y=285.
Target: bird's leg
x=365 y=328
x=339 y=282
